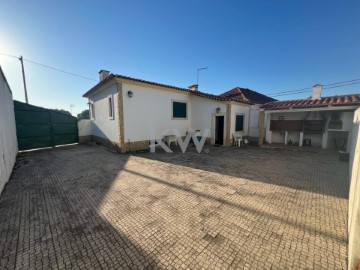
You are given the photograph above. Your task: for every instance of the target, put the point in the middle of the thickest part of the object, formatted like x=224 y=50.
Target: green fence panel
x=64 y=128
x=34 y=142
x=27 y=131
x=39 y=127
x=31 y=117
x=20 y=106
x=62 y=118
x=65 y=139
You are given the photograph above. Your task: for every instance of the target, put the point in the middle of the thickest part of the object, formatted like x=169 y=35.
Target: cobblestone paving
x=84 y=207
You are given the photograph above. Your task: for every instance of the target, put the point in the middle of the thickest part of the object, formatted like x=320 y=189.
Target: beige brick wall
x=107 y=143
x=135 y=146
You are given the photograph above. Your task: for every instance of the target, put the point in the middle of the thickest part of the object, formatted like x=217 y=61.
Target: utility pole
x=197 y=78
x=23 y=73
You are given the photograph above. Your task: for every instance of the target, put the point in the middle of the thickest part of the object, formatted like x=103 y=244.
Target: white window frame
x=172 y=109
x=243 y=127
x=110 y=104
x=92 y=110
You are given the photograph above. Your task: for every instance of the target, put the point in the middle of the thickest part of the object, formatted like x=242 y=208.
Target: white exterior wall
x=204 y=112
x=239 y=109
x=149 y=112
x=84 y=127
x=254 y=115
x=347 y=118
x=354 y=196
x=103 y=126
x=8 y=140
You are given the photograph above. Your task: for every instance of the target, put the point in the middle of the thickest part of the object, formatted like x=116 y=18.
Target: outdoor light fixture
x=217 y=109
x=130 y=94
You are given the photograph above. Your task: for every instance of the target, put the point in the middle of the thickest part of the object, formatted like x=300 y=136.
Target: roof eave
x=99 y=86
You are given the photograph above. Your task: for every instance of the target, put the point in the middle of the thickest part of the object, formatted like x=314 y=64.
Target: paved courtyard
x=84 y=207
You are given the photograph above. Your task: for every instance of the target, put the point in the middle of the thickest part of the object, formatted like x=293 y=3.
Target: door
x=219 y=130
x=38 y=127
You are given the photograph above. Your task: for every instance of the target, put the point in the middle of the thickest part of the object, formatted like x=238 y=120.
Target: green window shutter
x=239 y=126
x=179 y=109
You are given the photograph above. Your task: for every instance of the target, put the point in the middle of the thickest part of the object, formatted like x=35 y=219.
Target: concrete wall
x=8 y=140
x=354 y=196
x=102 y=125
x=254 y=115
x=84 y=127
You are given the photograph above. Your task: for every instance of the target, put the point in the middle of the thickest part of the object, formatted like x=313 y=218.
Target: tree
x=62 y=111
x=83 y=115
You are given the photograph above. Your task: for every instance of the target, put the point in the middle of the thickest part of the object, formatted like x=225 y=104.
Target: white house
x=324 y=122
x=126 y=112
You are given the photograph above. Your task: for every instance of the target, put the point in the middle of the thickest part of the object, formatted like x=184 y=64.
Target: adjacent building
x=324 y=122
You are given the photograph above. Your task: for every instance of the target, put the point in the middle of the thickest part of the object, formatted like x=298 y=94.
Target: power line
x=304 y=90
x=50 y=67
x=299 y=92
x=342 y=82
x=60 y=70
x=9 y=55
x=341 y=85
x=276 y=94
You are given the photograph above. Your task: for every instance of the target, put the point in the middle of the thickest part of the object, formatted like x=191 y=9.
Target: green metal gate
x=38 y=127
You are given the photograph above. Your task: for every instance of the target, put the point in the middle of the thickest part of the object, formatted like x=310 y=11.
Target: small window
x=92 y=110
x=179 y=109
x=239 y=123
x=111 y=107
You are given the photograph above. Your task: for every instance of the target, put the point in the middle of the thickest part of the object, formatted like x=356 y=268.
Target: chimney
x=194 y=87
x=317 y=88
x=103 y=74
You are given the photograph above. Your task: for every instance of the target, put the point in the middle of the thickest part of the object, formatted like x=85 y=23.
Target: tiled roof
x=248 y=95
x=346 y=100
x=196 y=93
x=216 y=97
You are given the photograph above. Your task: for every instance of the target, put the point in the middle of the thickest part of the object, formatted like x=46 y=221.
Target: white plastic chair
x=169 y=139
x=238 y=139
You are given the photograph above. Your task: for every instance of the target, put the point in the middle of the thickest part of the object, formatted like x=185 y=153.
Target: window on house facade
x=179 y=110
x=92 y=110
x=239 y=122
x=111 y=107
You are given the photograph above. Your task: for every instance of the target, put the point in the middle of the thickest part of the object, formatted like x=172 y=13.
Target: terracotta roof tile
x=196 y=93
x=247 y=95
x=346 y=100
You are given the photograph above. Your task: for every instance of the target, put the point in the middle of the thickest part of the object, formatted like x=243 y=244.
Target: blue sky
x=267 y=46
